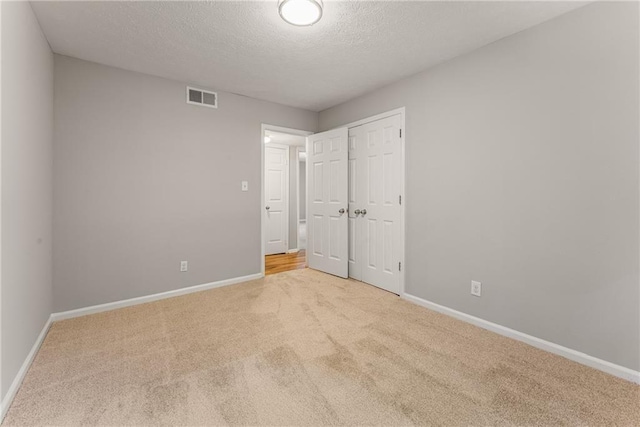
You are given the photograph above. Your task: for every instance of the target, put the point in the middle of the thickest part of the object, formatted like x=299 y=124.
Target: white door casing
x=300 y=151
x=276 y=195
x=375 y=188
x=327 y=218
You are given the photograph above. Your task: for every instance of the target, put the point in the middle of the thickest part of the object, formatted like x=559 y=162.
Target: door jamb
x=403 y=190
x=298 y=151
x=267 y=127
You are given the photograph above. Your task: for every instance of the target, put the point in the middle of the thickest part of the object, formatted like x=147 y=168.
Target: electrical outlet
x=184 y=266
x=476 y=288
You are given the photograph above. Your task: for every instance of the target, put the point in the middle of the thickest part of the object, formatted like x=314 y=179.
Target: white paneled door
x=327 y=184
x=276 y=193
x=375 y=188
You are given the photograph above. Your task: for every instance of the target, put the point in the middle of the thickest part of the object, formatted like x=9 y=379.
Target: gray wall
x=27 y=130
x=142 y=181
x=522 y=173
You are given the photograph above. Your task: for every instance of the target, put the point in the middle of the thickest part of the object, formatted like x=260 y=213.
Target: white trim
x=13 y=389
x=576 y=356
x=2 y=410
x=17 y=381
x=298 y=151
x=306 y=207
x=267 y=127
x=149 y=298
x=293 y=251
x=403 y=187
x=380 y=116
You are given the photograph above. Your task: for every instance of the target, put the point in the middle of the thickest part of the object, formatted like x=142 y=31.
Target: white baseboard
x=576 y=356
x=13 y=390
x=17 y=381
x=293 y=251
x=149 y=298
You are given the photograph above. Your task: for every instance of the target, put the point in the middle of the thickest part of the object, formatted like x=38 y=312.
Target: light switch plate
x=245 y=186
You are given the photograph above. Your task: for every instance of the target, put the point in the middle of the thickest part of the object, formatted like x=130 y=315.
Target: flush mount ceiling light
x=300 y=12
x=267 y=139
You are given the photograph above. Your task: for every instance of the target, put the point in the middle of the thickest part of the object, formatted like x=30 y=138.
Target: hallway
x=285 y=262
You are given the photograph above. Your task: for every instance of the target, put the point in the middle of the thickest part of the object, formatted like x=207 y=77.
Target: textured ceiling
x=245 y=48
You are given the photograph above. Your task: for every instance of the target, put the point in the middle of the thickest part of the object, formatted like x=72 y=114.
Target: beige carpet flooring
x=304 y=348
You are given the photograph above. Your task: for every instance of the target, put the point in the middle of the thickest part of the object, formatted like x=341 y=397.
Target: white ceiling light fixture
x=300 y=12
x=267 y=139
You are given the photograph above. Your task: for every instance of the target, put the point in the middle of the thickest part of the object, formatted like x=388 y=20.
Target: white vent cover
x=202 y=97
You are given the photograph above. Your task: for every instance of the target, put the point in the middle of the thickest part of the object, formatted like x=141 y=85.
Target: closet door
x=375 y=160
x=327 y=181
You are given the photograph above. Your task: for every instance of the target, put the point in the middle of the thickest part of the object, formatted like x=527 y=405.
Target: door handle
x=363 y=212
x=341 y=211
x=357 y=212
x=267 y=207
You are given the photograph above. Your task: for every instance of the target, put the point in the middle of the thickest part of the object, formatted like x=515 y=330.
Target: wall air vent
x=201 y=97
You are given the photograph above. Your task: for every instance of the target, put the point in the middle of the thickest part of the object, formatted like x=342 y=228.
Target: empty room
x=317 y=212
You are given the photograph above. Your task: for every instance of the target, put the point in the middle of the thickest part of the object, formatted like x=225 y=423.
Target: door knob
x=341 y=211
x=357 y=212
x=363 y=212
x=267 y=207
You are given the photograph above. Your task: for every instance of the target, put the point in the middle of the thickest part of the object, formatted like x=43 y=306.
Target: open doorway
x=284 y=214
x=354 y=194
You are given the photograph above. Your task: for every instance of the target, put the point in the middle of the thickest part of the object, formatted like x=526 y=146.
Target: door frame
x=267 y=127
x=403 y=179
x=298 y=151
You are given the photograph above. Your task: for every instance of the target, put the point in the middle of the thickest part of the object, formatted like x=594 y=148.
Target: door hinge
x=400 y=199
x=400 y=133
x=399 y=266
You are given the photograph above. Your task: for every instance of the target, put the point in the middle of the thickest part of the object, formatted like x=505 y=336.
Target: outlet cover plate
x=476 y=288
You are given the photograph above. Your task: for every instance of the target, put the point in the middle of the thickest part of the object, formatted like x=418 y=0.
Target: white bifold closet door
x=327 y=188
x=375 y=188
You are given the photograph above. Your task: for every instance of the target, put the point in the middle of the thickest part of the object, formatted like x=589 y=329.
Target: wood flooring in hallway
x=285 y=262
